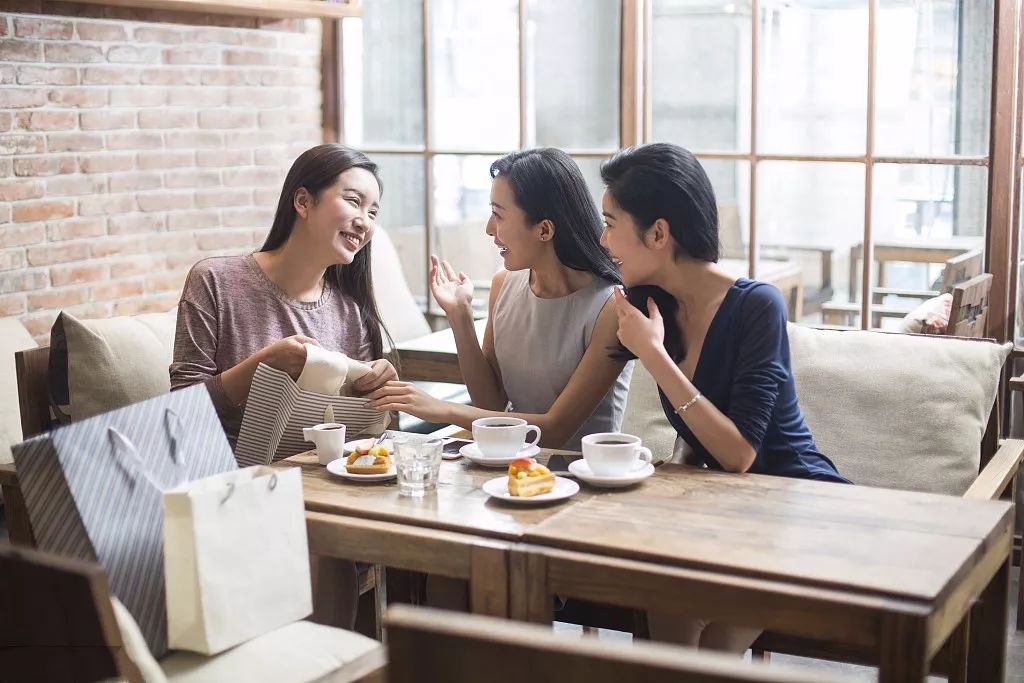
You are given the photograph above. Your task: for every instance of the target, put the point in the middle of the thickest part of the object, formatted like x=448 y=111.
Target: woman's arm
x=594 y=375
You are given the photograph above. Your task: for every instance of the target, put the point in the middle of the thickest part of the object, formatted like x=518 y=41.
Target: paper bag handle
x=271 y=485
x=128 y=459
x=172 y=433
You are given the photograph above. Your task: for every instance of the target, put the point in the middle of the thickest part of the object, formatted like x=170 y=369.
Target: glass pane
x=810 y=218
x=731 y=181
x=591 y=169
x=462 y=205
x=382 y=63
x=401 y=215
x=812 y=87
x=700 y=74
x=934 y=77
x=923 y=217
x=474 y=62
x=573 y=53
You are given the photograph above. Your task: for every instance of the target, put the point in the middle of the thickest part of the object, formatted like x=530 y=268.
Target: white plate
x=582 y=470
x=471 y=452
x=354 y=444
x=337 y=467
x=498 y=488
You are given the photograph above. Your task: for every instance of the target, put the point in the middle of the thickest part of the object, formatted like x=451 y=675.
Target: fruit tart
x=528 y=478
x=376 y=460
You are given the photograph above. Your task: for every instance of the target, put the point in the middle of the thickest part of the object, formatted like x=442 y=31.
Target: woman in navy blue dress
x=716 y=346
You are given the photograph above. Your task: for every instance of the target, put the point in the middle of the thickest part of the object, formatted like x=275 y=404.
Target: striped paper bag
x=277 y=410
x=93 y=490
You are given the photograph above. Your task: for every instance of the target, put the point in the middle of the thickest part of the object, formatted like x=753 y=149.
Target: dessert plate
x=498 y=488
x=582 y=470
x=472 y=452
x=337 y=468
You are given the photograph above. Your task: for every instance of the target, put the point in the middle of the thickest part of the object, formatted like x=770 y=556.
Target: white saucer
x=582 y=470
x=471 y=452
x=368 y=441
x=337 y=467
x=498 y=488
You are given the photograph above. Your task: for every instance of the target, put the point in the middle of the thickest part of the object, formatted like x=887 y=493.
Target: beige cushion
x=402 y=316
x=897 y=411
x=115 y=362
x=13 y=337
x=644 y=416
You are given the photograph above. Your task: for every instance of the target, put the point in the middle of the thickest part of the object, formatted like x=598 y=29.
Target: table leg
x=528 y=594
x=852 y=282
x=489 y=581
x=903 y=657
x=986 y=658
x=959 y=646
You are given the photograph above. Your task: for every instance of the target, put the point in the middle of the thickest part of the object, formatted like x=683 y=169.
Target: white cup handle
x=536 y=439
x=307 y=434
x=645 y=453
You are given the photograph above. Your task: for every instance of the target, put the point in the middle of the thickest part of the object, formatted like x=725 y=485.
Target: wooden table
x=889 y=573
x=884 y=251
x=433 y=357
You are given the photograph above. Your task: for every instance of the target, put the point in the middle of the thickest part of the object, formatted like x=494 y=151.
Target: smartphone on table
x=450 y=448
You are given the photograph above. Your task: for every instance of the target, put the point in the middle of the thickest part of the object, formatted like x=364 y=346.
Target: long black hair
x=315 y=170
x=547 y=184
x=662 y=180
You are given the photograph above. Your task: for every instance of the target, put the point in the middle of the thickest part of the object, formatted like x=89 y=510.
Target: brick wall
x=135 y=142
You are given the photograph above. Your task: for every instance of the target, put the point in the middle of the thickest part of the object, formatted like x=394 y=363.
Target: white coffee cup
x=329 y=438
x=502 y=437
x=610 y=454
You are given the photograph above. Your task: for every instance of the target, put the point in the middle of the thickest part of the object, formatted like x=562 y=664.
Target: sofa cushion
x=644 y=416
x=897 y=411
x=13 y=337
x=398 y=308
x=99 y=365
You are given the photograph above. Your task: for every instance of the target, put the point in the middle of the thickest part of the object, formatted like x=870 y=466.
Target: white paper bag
x=235 y=557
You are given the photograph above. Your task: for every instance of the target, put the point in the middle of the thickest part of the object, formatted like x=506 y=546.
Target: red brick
x=147 y=304
x=21 y=144
x=73 y=186
x=223 y=239
x=136 y=224
x=264 y=198
x=164 y=201
x=166 y=243
x=6 y=171
x=12 y=304
x=214 y=35
x=58 y=298
x=42 y=211
x=22 y=235
x=43 y=166
x=192 y=54
x=103 y=32
x=135 y=266
x=168 y=76
x=20 y=51
x=304 y=117
x=138 y=97
x=166 y=159
x=43 y=29
x=280 y=77
x=4 y=29
x=19 y=189
x=270 y=156
x=258 y=98
x=73 y=142
x=193 y=220
x=149 y=34
x=248 y=58
x=197 y=97
x=79 y=97
x=39 y=325
x=105 y=163
x=223 y=158
x=167 y=118
x=76 y=229
x=49 y=254
x=106 y=205
x=128 y=54
x=126 y=182
x=194 y=139
x=134 y=140
x=244 y=139
x=220 y=118
x=274 y=118
x=206 y=199
x=113 y=246
x=247 y=217
x=62 y=276
x=7 y=74
x=110 y=75
x=47 y=120
x=230 y=77
x=43 y=75
x=168 y=282
x=253 y=177
x=19 y=98
x=21 y=280
x=106 y=120
x=191 y=178
x=73 y=52
x=185 y=260
x=116 y=290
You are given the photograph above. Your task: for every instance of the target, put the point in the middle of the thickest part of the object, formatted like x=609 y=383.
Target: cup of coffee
x=329 y=438
x=503 y=437
x=610 y=454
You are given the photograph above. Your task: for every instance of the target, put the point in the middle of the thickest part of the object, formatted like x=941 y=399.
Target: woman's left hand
x=407 y=398
x=381 y=372
x=639 y=333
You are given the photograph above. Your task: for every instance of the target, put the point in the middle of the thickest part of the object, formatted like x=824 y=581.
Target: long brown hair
x=317 y=169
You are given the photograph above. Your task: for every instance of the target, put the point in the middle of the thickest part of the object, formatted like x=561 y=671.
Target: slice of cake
x=528 y=478
x=376 y=460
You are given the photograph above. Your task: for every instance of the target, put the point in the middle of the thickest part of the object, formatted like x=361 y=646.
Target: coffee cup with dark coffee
x=611 y=454
x=503 y=437
x=329 y=438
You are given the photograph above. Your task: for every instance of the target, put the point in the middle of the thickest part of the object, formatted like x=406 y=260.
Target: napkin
x=326 y=372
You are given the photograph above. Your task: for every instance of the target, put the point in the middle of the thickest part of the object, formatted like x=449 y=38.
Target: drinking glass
x=418 y=461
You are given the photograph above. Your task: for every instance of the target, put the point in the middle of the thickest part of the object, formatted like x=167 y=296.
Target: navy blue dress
x=744 y=370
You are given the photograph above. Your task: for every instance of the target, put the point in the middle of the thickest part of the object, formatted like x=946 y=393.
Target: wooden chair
x=968 y=315
x=432 y=645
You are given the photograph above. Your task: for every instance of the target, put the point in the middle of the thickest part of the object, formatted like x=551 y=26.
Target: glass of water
x=418 y=461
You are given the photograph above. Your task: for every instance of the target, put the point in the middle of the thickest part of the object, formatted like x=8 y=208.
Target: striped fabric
x=277 y=410
x=93 y=491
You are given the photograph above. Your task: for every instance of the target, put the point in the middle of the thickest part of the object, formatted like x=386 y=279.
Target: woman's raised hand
x=639 y=333
x=453 y=292
x=288 y=355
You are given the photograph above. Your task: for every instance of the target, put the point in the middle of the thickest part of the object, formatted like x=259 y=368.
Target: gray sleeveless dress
x=539 y=342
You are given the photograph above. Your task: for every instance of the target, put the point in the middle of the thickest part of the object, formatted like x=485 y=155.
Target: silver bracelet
x=689 y=404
